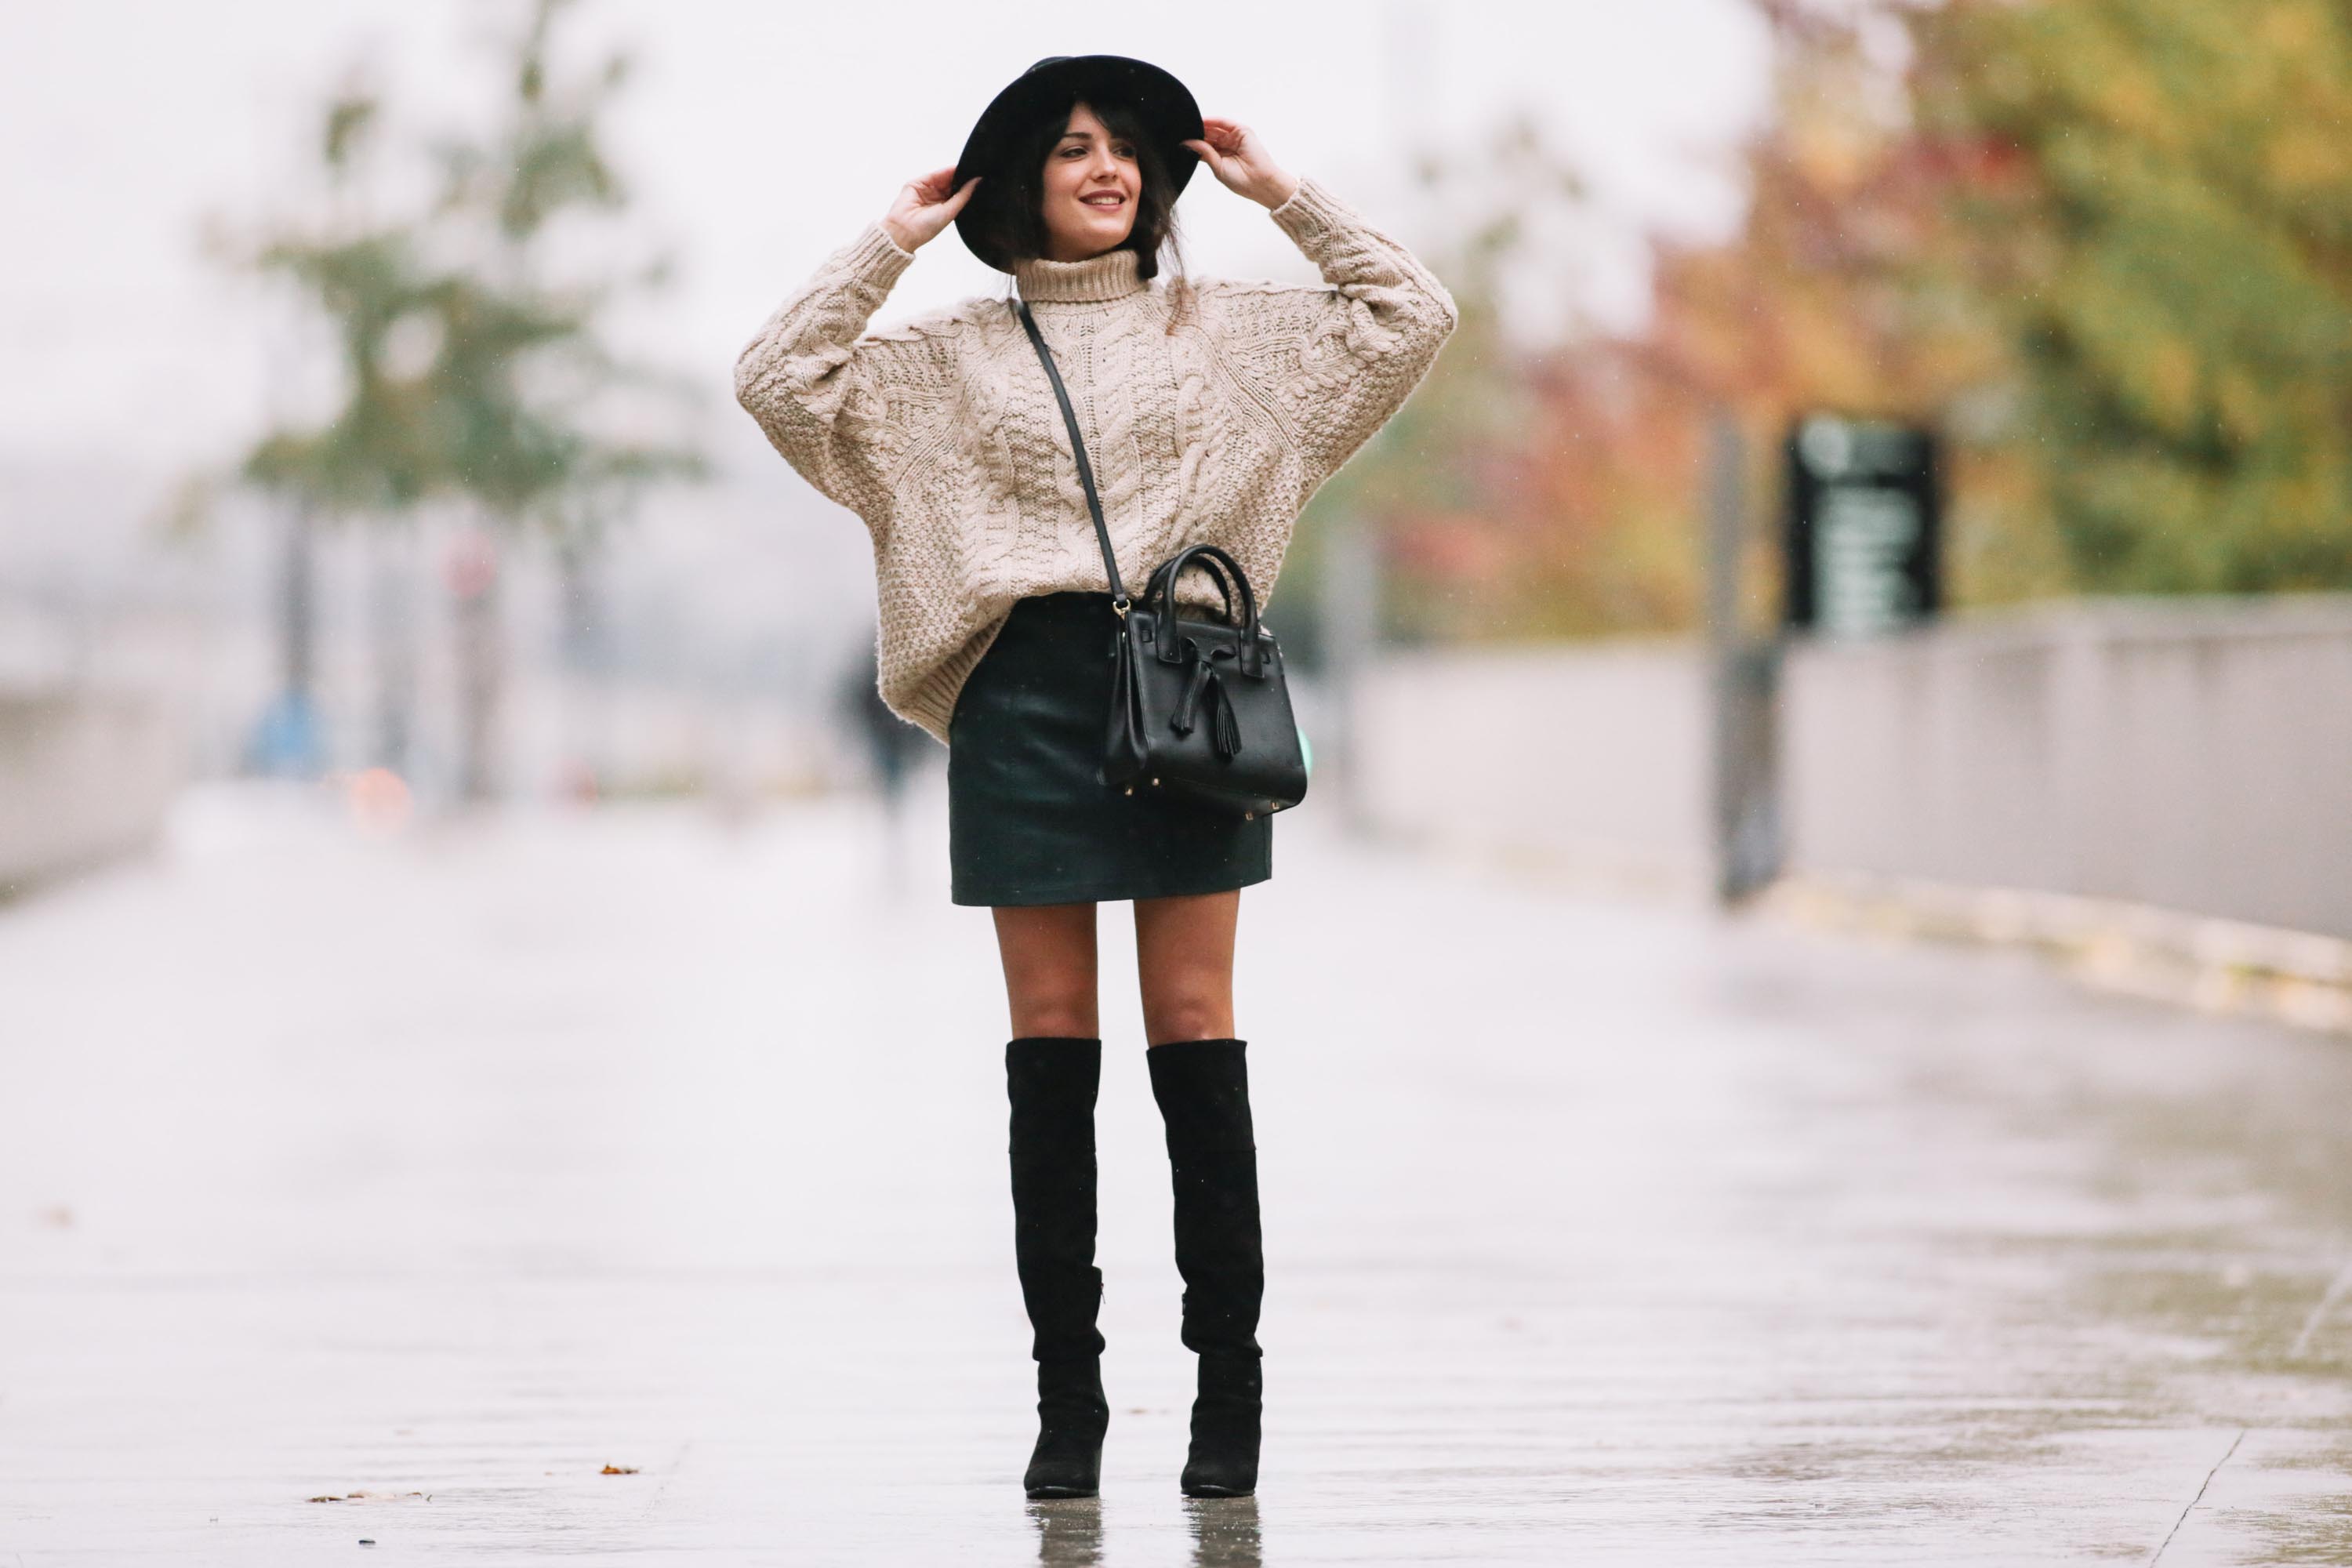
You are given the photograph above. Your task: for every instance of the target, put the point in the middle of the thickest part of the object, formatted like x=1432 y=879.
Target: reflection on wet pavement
x=435 y=1176
x=1224 y=1532
x=1069 y=1533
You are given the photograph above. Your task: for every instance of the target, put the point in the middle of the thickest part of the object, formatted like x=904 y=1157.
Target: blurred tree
x=2104 y=247
x=2170 y=254
x=1448 y=488
x=523 y=368
x=365 y=277
x=474 y=365
x=374 y=457
x=1850 y=286
x=1529 y=491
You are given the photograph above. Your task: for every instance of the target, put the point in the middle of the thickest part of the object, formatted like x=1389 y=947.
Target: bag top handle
x=1217 y=574
x=1160 y=593
x=1160 y=598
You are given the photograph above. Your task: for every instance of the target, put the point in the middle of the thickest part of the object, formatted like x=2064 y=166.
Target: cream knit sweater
x=944 y=436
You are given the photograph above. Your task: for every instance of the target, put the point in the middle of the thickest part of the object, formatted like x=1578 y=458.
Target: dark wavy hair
x=1016 y=219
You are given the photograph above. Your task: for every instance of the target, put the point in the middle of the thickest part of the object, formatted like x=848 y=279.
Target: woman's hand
x=1242 y=164
x=924 y=207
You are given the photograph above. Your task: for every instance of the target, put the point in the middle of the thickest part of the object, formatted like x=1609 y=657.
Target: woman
x=1212 y=411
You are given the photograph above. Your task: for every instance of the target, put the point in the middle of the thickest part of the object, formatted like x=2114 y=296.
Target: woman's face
x=1092 y=183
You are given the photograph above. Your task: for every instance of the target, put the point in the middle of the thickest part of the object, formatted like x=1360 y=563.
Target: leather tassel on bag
x=1226 y=727
x=1229 y=726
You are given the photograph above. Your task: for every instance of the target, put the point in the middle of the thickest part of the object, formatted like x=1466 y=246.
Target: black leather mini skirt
x=1030 y=820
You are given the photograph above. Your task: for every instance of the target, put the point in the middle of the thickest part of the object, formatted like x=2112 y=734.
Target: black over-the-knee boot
x=1052 y=1083
x=1202 y=1088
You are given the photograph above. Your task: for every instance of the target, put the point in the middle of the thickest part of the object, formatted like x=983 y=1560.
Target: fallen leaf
x=620 y=1469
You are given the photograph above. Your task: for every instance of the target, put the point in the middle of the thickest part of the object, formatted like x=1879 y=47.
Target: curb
x=2218 y=966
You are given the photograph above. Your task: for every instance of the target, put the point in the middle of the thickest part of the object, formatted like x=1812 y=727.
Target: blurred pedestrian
x=891 y=746
x=1213 y=409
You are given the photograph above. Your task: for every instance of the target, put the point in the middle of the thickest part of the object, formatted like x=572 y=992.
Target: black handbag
x=1199 y=708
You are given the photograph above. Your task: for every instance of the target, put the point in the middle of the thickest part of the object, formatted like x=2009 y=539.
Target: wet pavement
x=435 y=1174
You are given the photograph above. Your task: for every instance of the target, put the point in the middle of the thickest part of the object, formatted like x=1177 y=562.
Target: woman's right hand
x=924 y=207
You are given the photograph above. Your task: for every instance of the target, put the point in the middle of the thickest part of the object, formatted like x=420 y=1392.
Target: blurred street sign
x=1863 y=532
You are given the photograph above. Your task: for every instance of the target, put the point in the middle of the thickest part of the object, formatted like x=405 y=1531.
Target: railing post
x=1743 y=686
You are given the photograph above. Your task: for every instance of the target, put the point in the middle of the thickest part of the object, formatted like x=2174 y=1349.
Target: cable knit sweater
x=943 y=433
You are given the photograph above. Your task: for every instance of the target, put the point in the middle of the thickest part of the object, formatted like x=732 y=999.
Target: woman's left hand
x=1239 y=159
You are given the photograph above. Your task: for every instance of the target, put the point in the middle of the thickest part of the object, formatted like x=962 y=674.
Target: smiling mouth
x=1102 y=203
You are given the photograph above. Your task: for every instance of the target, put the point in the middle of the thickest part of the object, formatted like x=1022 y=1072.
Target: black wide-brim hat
x=1056 y=82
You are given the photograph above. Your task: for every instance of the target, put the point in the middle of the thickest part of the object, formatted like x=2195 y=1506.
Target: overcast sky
x=758 y=136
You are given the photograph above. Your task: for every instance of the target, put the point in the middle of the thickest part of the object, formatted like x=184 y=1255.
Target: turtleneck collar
x=1110 y=276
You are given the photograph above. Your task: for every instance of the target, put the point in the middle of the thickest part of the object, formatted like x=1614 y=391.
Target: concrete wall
x=83 y=776
x=1595 y=756
x=2194 y=755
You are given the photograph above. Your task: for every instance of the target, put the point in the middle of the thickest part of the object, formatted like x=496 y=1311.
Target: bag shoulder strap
x=1077 y=446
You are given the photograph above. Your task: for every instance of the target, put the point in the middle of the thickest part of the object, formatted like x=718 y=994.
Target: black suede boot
x=1052 y=1084
x=1202 y=1088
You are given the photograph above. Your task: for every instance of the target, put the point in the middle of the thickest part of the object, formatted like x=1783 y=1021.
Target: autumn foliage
x=2103 y=247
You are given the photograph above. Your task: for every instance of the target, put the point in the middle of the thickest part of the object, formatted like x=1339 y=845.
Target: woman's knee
x=1185 y=955
x=1053 y=994
x=1201 y=1008
x=1055 y=1013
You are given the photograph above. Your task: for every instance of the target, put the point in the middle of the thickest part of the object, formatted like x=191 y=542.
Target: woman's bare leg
x=1184 y=958
x=1185 y=948
x=1052 y=1068
x=1048 y=952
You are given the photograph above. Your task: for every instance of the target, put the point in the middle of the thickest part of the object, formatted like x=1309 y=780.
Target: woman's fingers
x=1216 y=154
x=1227 y=135
x=1240 y=161
x=933 y=186
x=924 y=207
x=1224 y=151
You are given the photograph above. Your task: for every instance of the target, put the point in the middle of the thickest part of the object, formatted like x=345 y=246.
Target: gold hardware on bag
x=1249 y=816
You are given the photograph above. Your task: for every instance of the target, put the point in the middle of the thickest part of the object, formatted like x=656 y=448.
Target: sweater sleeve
x=1336 y=362
x=840 y=404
